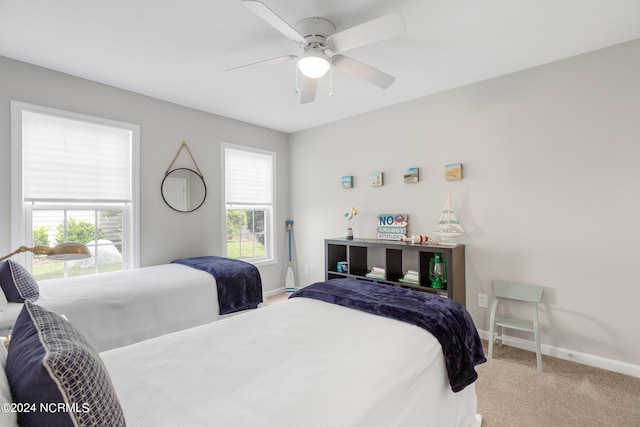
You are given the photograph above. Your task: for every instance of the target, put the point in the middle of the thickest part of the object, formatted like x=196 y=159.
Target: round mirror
x=184 y=190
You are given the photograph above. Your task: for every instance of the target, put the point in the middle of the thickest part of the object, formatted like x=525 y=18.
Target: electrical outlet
x=482 y=301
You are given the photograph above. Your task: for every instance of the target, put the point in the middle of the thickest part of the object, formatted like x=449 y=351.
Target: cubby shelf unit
x=397 y=258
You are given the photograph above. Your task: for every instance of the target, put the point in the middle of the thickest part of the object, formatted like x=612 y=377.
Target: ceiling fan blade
x=309 y=87
x=274 y=20
x=363 y=71
x=259 y=64
x=379 y=29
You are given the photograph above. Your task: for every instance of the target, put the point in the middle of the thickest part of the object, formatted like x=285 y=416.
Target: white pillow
x=7 y=418
x=3 y=301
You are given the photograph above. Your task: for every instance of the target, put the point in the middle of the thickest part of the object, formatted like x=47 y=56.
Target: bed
x=302 y=362
x=119 y=308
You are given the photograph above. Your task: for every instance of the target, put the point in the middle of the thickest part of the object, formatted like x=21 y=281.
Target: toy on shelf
x=422 y=240
x=349 y=216
x=438 y=271
x=449 y=227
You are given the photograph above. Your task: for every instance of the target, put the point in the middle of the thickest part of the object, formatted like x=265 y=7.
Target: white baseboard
x=582 y=358
x=276 y=291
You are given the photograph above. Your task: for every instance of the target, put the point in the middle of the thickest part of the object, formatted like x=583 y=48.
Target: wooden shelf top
x=380 y=242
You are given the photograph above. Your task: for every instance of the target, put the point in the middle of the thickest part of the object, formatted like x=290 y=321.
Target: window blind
x=248 y=177
x=66 y=159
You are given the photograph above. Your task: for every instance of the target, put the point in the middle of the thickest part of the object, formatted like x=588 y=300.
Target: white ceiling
x=178 y=51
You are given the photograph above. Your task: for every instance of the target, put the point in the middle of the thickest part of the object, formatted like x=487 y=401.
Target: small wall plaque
x=376 y=179
x=453 y=171
x=346 y=181
x=411 y=175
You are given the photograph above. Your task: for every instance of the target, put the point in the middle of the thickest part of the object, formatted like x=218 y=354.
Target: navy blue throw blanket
x=239 y=283
x=445 y=319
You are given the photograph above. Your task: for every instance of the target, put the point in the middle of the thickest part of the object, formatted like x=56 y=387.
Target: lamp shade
x=69 y=251
x=313 y=64
x=63 y=252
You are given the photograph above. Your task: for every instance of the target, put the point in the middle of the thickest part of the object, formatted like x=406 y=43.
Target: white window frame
x=21 y=218
x=270 y=227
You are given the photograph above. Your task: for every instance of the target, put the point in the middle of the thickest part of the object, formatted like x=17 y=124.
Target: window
x=74 y=178
x=248 y=200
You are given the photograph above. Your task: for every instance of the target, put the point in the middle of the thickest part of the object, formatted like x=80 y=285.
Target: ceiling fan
x=321 y=46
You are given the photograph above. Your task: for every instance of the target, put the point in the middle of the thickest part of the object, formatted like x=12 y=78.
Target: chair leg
x=492 y=326
x=536 y=334
x=491 y=340
x=539 y=357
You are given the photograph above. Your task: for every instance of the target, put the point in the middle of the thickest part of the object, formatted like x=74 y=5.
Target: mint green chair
x=507 y=292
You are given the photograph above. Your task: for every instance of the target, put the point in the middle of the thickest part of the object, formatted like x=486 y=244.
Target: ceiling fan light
x=313 y=65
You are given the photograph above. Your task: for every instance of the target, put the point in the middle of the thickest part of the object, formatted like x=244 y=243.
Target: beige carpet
x=511 y=393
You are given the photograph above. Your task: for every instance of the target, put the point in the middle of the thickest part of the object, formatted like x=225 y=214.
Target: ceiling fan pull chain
x=331 y=81
x=297 y=89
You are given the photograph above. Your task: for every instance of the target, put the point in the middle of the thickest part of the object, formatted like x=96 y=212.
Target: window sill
x=262 y=263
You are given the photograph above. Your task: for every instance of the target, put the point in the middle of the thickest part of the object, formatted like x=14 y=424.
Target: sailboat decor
x=448 y=225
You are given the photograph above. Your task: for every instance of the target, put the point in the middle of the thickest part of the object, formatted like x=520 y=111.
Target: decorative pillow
x=17 y=283
x=8 y=418
x=52 y=367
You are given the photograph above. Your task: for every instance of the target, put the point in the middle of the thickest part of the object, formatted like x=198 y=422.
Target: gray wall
x=551 y=193
x=165 y=234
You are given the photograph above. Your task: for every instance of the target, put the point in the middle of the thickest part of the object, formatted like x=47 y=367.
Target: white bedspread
x=299 y=363
x=119 y=308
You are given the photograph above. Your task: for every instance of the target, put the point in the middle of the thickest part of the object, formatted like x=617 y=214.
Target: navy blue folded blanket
x=445 y=319
x=238 y=282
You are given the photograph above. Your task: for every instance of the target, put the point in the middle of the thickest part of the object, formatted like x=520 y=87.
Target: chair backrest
x=517 y=291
